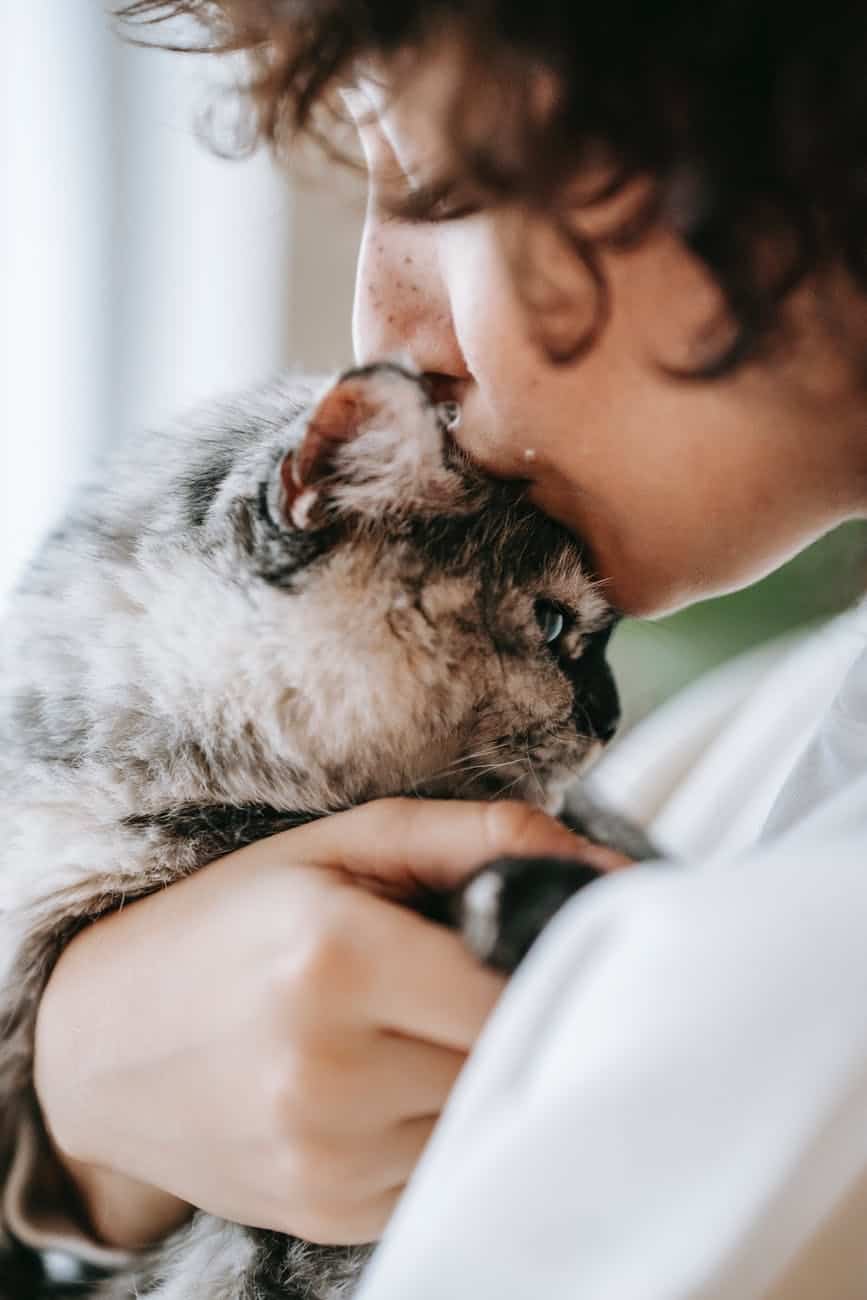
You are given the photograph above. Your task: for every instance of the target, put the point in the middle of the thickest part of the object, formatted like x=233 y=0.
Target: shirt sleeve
x=38 y=1207
x=669 y=1102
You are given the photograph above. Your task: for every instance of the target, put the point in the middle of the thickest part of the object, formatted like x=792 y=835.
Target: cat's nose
x=600 y=704
x=607 y=729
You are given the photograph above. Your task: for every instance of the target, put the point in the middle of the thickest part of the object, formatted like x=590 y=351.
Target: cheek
x=676 y=486
x=604 y=400
x=512 y=398
x=572 y=418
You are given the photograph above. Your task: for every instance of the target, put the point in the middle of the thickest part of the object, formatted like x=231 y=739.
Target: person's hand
x=267 y=1040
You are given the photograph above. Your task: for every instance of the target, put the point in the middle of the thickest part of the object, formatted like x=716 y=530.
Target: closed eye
x=434 y=202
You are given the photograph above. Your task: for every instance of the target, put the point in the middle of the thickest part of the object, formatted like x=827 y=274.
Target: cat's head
x=446 y=637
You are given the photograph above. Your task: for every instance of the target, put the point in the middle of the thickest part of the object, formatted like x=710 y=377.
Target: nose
x=597 y=696
x=402 y=306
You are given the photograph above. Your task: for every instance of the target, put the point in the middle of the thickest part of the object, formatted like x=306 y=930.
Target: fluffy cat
x=285 y=606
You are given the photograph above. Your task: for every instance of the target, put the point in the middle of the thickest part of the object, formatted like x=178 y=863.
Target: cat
x=290 y=603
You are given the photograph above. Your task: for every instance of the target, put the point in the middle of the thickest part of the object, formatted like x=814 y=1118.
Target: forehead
x=402 y=110
x=410 y=117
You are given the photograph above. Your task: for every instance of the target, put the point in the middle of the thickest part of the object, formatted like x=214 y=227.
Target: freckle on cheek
x=407 y=261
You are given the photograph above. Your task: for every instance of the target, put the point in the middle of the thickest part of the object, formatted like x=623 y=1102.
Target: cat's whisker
x=477 y=760
x=511 y=785
x=492 y=767
x=495 y=747
x=485 y=768
x=585 y=735
x=531 y=770
x=463 y=763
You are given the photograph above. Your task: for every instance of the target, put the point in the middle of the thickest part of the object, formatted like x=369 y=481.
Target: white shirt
x=670 y=1100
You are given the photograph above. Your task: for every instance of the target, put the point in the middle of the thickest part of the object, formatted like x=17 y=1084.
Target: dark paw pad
x=505 y=906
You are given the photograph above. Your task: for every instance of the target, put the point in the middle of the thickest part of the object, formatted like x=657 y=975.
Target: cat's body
x=224 y=640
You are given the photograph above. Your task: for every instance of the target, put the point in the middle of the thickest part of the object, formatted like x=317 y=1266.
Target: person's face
x=682 y=489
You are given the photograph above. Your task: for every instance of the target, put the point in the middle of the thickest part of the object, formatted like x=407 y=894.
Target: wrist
x=117 y=1210
x=63 y=1062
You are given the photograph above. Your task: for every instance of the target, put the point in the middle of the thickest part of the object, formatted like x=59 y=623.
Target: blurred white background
x=140 y=272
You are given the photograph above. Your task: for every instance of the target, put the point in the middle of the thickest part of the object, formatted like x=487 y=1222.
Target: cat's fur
x=223 y=640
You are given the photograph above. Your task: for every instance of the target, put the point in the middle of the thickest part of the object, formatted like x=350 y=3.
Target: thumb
x=399 y=845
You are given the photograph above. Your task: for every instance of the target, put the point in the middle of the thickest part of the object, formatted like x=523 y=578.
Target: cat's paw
x=505 y=906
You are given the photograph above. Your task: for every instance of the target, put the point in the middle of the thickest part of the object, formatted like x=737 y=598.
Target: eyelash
x=440 y=212
x=431 y=205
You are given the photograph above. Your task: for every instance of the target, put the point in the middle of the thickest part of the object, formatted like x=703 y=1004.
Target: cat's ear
x=375 y=446
x=337 y=419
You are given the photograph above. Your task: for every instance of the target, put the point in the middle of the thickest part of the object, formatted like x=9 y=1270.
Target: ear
x=336 y=420
x=374 y=446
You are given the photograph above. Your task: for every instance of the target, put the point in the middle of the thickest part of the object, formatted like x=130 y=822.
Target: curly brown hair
x=750 y=116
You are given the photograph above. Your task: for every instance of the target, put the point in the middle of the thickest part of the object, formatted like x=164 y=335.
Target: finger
x=357 y=1187
x=372 y=1219
x=385 y=1079
x=431 y=988
x=403 y=1148
x=363 y=1171
x=338 y=1224
x=407 y=843
x=411 y=1078
x=601 y=856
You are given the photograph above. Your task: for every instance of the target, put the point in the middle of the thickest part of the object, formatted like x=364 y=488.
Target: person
x=631 y=245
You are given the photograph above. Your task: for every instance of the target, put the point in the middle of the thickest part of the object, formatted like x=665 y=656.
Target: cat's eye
x=551 y=620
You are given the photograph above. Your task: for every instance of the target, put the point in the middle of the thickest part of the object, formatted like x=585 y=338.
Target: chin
x=637 y=596
x=641 y=589
x=637 y=592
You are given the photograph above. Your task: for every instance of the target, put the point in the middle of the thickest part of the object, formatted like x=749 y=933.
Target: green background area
x=653 y=659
